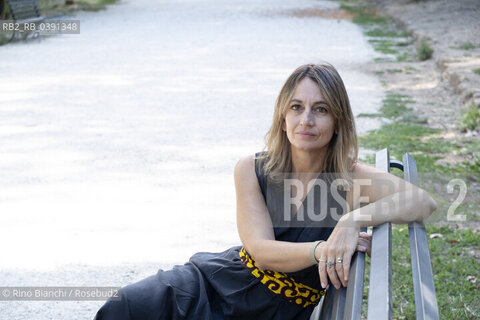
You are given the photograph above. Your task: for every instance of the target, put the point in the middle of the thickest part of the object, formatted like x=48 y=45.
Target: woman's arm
x=393 y=200
x=255 y=226
x=389 y=198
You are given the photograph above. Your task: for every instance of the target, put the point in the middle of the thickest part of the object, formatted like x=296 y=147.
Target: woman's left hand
x=340 y=245
x=335 y=255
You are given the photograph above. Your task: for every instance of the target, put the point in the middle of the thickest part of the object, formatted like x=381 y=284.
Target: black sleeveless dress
x=228 y=285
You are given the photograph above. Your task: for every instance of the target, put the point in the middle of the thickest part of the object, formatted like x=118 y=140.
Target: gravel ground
x=446 y=84
x=118 y=144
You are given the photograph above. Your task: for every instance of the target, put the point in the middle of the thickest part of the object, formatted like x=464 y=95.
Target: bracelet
x=312 y=251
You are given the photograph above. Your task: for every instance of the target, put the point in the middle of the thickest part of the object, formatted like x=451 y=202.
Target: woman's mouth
x=306 y=134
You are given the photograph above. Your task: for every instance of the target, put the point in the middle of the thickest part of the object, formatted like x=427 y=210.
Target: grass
x=469 y=118
x=425 y=146
x=385 y=36
x=363 y=15
x=467 y=46
x=403 y=57
x=410 y=70
x=384 y=46
x=455 y=270
x=401 y=138
x=394 y=107
x=382 y=33
x=407 y=132
x=407 y=70
x=424 y=51
x=477 y=70
x=394 y=71
x=3 y=40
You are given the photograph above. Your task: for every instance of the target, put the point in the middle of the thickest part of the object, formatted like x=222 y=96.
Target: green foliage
x=386 y=37
x=362 y=15
x=467 y=46
x=383 y=46
x=403 y=57
x=424 y=51
x=472 y=166
x=394 y=71
x=400 y=138
x=6 y=14
x=406 y=134
x=477 y=70
x=382 y=33
x=3 y=40
x=469 y=118
x=394 y=107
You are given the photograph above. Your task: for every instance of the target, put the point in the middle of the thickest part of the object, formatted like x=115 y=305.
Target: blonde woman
x=298 y=218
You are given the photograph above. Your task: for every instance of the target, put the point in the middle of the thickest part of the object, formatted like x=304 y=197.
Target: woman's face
x=308 y=122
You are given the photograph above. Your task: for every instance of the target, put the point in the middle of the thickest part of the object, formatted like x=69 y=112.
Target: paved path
x=118 y=145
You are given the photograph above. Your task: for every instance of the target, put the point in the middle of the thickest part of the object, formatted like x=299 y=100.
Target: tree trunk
x=2 y=9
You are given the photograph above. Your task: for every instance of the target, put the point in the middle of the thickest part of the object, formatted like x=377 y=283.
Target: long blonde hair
x=343 y=147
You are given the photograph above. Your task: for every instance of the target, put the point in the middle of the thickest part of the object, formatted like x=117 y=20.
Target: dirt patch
x=447 y=83
x=336 y=14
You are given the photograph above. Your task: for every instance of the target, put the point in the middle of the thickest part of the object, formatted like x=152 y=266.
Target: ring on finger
x=339 y=260
x=330 y=263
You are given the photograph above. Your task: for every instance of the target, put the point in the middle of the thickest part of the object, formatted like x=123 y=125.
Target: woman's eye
x=321 y=109
x=295 y=107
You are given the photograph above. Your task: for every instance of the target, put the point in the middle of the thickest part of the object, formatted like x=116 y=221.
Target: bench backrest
x=346 y=303
x=23 y=9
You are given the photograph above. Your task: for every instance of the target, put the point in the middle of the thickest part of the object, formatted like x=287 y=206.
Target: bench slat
x=21 y=3
x=24 y=4
x=23 y=10
x=354 y=298
x=333 y=304
x=31 y=20
x=426 y=306
x=25 y=15
x=380 y=289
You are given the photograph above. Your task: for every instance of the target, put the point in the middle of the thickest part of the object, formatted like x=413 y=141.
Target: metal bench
x=24 y=11
x=346 y=303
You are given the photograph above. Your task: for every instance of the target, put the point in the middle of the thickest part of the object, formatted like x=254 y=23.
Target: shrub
x=424 y=51
x=469 y=118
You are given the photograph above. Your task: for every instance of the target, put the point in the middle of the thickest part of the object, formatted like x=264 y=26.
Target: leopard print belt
x=282 y=284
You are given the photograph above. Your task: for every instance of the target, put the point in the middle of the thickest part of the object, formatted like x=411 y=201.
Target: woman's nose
x=307 y=118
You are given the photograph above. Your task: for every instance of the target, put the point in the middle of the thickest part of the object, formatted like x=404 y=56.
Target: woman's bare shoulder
x=245 y=175
x=245 y=166
x=247 y=162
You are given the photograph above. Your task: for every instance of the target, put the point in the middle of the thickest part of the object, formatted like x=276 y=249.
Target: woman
x=288 y=256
